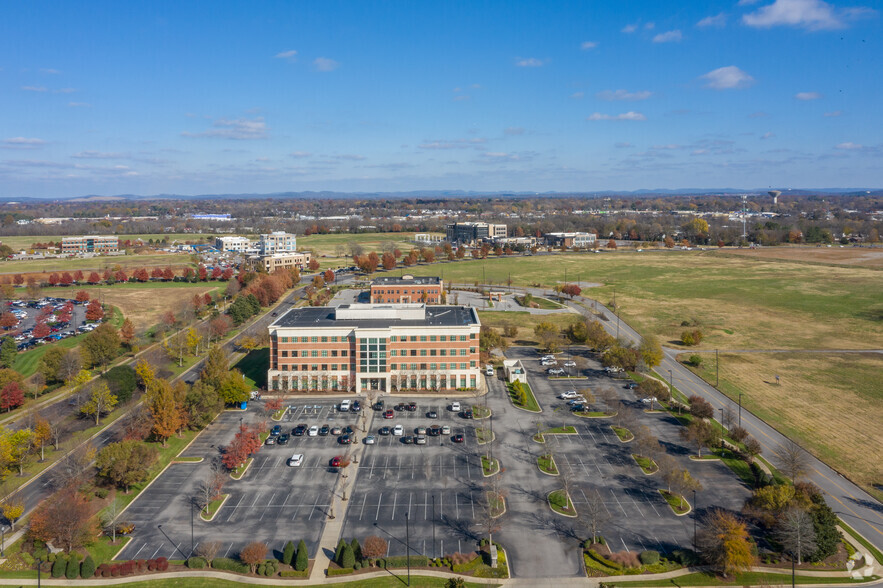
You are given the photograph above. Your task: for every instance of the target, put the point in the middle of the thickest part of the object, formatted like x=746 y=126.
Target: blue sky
x=230 y=97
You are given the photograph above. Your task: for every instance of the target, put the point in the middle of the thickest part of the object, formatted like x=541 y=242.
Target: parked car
x=276 y=431
x=401 y=406
x=445 y=430
x=568 y=395
x=455 y=407
x=433 y=431
x=467 y=414
x=489 y=370
x=649 y=400
x=432 y=414
x=369 y=440
x=408 y=440
x=420 y=440
x=398 y=430
x=458 y=438
x=283 y=439
x=569 y=363
x=299 y=430
x=378 y=405
x=383 y=431
x=412 y=406
x=631 y=385
x=389 y=414
x=324 y=430
x=356 y=407
x=420 y=430
x=344 y=439
x=296 y=459
x=344 y=406
x=270 y=440
x=555 y=371
x=336 y=461
x=313 y=431
x=336 y=430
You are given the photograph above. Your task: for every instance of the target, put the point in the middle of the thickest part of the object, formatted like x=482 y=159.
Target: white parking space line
x=410 y=495
x=264 y=511
x=624 y=545
x=472 y=503
x=157 y=551
x=379 y=502
x=313 y=510
x=139 y=551
x=457 y=505
x=612 y=493
x=362 y=511
x=233 y=509
x=395 y=499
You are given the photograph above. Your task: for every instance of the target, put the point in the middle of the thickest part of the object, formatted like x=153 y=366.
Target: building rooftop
x=406 y=281
x=378 y=316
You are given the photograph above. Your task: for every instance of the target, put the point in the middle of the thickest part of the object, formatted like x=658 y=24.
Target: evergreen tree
x=87 y=570
x=357 y=549
x=59 y=567
x=338 y=553
x=8 y=351
x=302 y=560
x=73 y=566
x=288 y=553
x=347 y=558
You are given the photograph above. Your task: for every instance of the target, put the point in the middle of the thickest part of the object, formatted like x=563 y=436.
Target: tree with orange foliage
x=388 y=261
x=94 y=312
x=82 y=296
x=63 y=519
x=246 y=443
x=165 y=409
x=168 y=275
x=253 y=554
x=127 y=332
x=329 y=276
x=8 y=320
x=313 y=265
x=724 y=543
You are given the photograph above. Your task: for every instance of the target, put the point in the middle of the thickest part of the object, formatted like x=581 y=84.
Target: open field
x=337 y=244
x=24 y=242
x=525 y=322
x=848 y=255
x=831 y=404
x=176 y=260
x=143 y=303
x=738 y=303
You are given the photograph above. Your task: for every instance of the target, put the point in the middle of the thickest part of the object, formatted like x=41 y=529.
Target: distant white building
x=237 y=244
x=581 y=240
x=277 y=242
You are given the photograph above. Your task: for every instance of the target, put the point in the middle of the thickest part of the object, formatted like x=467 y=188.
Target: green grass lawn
x=624 y=434
x=483 y=435
x=254 y=366
x=104 y=550
x=209 y=512
x=746 y=579
x=547 y=465
x=560 y=502
x=677 y=502
x=530 y=403
x=127 y=262
x=489 y=466
x=647 y=464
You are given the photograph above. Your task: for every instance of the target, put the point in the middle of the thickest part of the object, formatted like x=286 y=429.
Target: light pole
x=3 y=541
x=695 y=516
x=39 y=565
x=408 y=544
x=723 y=428
x=717 y=369
x=433 y=525
x=671 y=389
x=191 y=528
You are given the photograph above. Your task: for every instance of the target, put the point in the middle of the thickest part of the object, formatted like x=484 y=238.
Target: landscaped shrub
x=401 y=561
x=357 y=566
x=230 y=565
x=685 y=557
x=604 y=561
x=357 y=549
x=73 y=567
x=270 y=568
x=29 y=559
x=649 y=557
x=162 y=564
x=196 y=563
x=260 y=570
x=302 y=559
x=114 y=570
x=102 y=493
x=628 y=559
x=87 y=568
x=292 y=574
x=288 y=553
x=339 y=551
x=347 y=558
x=59 y=567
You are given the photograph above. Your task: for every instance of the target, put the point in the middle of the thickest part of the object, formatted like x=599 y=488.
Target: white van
x=455 y=407
x=344 y=406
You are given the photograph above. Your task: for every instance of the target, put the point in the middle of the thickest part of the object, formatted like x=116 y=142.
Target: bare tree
x=793 y=461
x=208 y=550
x=729 y=417
x=668 y=468
x=212 y=484
x=645 y=443
x=593 y=514
x=489 y=519
x=796 y=533
x=74 y=468
x=109 y=517
x=609 y=397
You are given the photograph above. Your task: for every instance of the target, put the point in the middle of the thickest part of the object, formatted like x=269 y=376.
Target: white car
x=313 y=432
x=398 y=430
x=548 y=362
x=445 y=430
x=344 y=406
x=648 y=400
x=296 y=460
x=569 y=363
x=568 y=395
x=547 y=357
x=555 y=372
x=455 y=407
x=489 y=370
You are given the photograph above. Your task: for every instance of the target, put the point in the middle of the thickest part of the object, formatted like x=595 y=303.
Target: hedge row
x=128 y=568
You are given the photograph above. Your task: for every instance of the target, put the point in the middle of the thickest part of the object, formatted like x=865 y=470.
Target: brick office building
x=382 y=347
x=90 y=244
x=407 y=289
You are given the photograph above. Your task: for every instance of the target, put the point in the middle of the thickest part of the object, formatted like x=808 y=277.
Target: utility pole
x=695 y=516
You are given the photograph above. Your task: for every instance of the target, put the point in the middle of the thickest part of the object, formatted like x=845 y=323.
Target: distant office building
x=515 y=241
x=214 y=217
x=271 y=263
x=392 y=290
x=362 y=347
x=468 y=233
x=277 y=242
x=236 y=244
x=90 y=244
x=581 y=240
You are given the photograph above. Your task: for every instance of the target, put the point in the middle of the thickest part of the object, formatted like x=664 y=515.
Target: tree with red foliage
x=53 y=279
x=94 y=278
x=220 y=326
x=11 y=396
x=141 y=275
x=329 y=276
x=168 y=319
x=196 y=302
x=428 y=255
x=207 y=299
x=82 y=295
x=156 y=273
x=107 y=276
x=78 y=276
x=203 y=273
x=63 y=519
x=571 y=290
x=313 y=265
x=94 y=312
x=168 y=275
x=18 y=279
x=246 y=443
x=41 y=330
x=67 y=279
x=388 y=261
x=127 y=332
x=188 y=274
x=216 y=273
x=228 y=273
x=121 y=276
x=8 y=320
x=611 y=244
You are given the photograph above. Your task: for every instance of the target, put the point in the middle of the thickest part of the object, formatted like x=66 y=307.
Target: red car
x=335 y=461
x=389 y=414
x=458 y=438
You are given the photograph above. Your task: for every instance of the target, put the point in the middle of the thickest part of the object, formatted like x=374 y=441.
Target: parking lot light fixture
x=695 y=516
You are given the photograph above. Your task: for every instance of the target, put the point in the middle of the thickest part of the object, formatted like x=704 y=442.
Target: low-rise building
x=382 y=347
x=407 y=289
x=581 y=240
x=271 y=263
x=277 y=242
x=468 y=233
x=90 y=244
x=235 y=244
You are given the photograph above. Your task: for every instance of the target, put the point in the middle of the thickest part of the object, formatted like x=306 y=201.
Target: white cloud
x=623 y=95
x=50 y=71
x=850 y=146
x=461 y=98
x=529 y=62
x=454 y=144
x=807 y=95
x=747 y=2
x=630 y=28
x=623 y=145
x=350 y=157
x=650 y=26
x=727 y=78
x=630 y=115
x=290 y=55
x=717 y=20
x=813 y=15
x=834 y=113
x=34 y=88
x=586 y=45
x=237 y=129
x=511 y=131
x=97 y=155
x=64 y=91
x=668 y=37
x=325 y=64
x=578 y=95
x=23 y=143
x=767 y=135
x=79 y=105
x=300 y=154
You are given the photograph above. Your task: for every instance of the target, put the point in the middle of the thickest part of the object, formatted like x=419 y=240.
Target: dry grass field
x=831 y=403
x=127 y=262
x=848 y=255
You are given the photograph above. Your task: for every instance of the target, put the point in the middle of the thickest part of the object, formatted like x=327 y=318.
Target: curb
x=214 y=514
x=569 y=516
